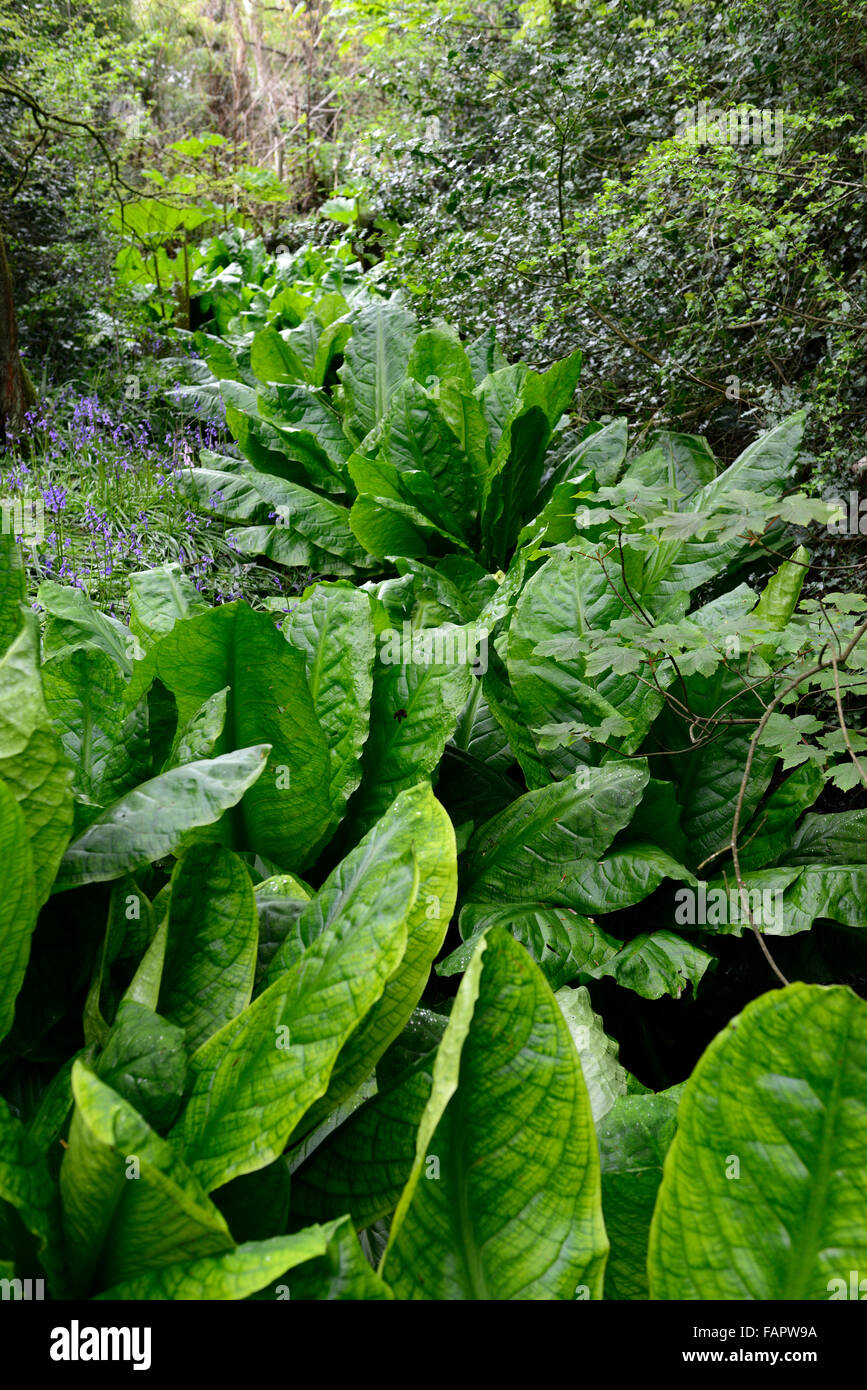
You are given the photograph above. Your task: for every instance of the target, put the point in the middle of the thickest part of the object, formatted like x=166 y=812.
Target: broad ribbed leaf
x=504 y=1198
x=416 y=824
x=158 y=598
x=283 y=816
x=152 y=821
x=74 y=622
x=84 y=695
x=798 y=896
x=212 y=940
x=601 y=453
x=561 y=943
x=417 y=439
x=234 y=1275
x=273 y=358
x=310 y=432
x=386 y=527
x=763 y=467
x=363 y=1166
x=129 y=1202
x=32 y=762
x=333 y=628
x=375 y=363
x=689 y=462
x=279 y=902
x=836 y=839
x=413 y=714
x=517 y=465
x=538 y=848
x=576 y=596
x=13 y=589
x=145 y=1061
x=197 y=737
x=343 y=1272
x=770 y=832
x=304 y=527
x=633 y=1140
x=17 y=905
x=604 y=1077
x=484 y=355
x=439 y=355
x=256 y=1079
x=27 y=1185
x=707 y=775
x=655 y=963
x=764 y=1190
x=624 y=877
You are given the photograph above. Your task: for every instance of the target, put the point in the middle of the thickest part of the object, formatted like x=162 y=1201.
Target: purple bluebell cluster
x=112 y=493
x=110 y=480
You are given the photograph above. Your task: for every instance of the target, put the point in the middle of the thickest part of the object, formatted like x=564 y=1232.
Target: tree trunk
x=16 y=388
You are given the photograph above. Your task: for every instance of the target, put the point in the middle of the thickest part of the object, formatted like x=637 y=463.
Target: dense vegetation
x=433 y=774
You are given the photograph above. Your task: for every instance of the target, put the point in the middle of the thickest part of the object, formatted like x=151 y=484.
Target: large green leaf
x=416 y=439
x=27 y=1185
x=537 y=849
x=73 y=622
x=439 y=355
x=32 y=762
x=604 y=1077
x=273 y=357
x=145 y=1061
x=764 y=467
x=17 y=905
x=601 y=453
x=414 y=711
x=310 y=433
x=256 y=1079
x=288 y=522
x=197 y=736
x=158 y=598
x=835 y=839
x=152 y=821
x=517 y=464
x=212 y=940
x=84 y=695
x=279 y=902
x=689 y=463
x=129 y=1202
x=341 y=1273
x=769 y=834
x=237 y=1274
x=504 y=1198
x=655 y=963
x=375 y=363
x=633 y=1140
x=707 y=772
x=764 y=1190
x=363 y=1165
x=484 y=355
x=333 y=627
x=285 y=814
x=416 y=823
x=561 y=943
x=262 y=442
x=13 y=589
x=624 y=877
x=837 y=892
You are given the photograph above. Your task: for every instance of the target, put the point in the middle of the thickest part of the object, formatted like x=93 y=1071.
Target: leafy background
x=440 y=586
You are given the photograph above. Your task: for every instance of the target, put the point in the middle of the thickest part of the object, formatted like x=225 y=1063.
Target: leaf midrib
x=801 y=1268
